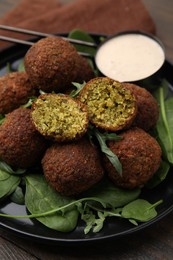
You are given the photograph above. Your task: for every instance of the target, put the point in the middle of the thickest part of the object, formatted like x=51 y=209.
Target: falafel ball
x=59 y=117
x=148 y=109
x=85 y=71
x=140 y=156
x=111 y=106
x=20 y=143
x=15 y=90
x=51 y=64
x=72 y=168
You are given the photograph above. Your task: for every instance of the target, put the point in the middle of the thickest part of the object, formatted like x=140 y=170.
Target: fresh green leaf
x=164 y=125
x=8 y=183
x=17 y=196
x=2 y=118
x=8 y=68
x=29 y=103
x=111 y=195
x=7 y=168
x=79 y=87
x=21 y=66
x=83 y=36
x=40 y=198
x=140 y=210
x=107 y=151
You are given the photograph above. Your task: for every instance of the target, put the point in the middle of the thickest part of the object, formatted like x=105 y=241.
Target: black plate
x=113 y=228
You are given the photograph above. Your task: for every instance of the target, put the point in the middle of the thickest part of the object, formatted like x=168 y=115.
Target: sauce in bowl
x=130 y=56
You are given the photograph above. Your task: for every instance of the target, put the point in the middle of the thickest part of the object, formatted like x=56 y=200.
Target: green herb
x=21 y=66
x=29 y=103
x=140 y=210
x=8 y=67
x=113 y=198
x=79 y=87
x=5 y=167
x=2 y=118
x=164 y=125
x=8 y=183
x=61 y=213
x=83 y=36
x=41 y=198
x=18 y=196
x=102 y=138
x=111 y=195
x=93 y=219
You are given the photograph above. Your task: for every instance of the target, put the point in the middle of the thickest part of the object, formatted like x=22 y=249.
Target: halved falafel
x=15 y=90
x=140 y=156
x=20 y=143
x=59 y=117
x=72 y=168
x=110 y=106
x=148 y=109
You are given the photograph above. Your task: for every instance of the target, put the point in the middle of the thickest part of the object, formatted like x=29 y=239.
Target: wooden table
x=155 y=242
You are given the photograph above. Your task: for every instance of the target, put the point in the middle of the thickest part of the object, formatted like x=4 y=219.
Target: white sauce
x=130 y=57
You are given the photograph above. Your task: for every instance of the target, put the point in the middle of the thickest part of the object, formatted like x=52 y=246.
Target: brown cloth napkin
x=97 y=16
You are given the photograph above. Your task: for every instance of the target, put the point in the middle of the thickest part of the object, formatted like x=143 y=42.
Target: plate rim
x=62 y=241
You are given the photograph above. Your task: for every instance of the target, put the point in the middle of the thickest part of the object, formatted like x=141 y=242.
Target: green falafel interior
x=59 y=117
x=110 y=106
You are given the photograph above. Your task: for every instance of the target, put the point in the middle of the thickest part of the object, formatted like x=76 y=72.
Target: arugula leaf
x=79 y=87
x=164 y=125
x=106 y=150
x=29 y=103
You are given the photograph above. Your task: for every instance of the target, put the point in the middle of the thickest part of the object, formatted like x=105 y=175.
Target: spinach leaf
x=8 y=183
x=7 y=168
x=111 y=195
x=140 y=210
x=83 y=36
x=40 y=198
x=18 y=196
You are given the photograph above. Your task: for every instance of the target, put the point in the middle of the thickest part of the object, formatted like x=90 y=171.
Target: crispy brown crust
x=85 y=72
x=61 y=137
x=51 y=64
x=20 y=144
x=148 y=110
x=72 y=168
x=87 y=92
x=140 y=155
x=15 y=90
